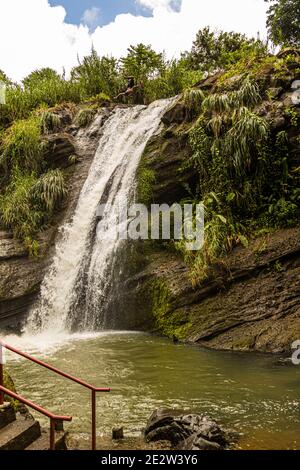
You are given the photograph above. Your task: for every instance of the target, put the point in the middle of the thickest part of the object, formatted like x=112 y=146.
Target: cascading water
x=73 y=291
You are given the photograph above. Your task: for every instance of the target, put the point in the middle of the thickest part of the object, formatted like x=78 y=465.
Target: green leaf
x=222 y=218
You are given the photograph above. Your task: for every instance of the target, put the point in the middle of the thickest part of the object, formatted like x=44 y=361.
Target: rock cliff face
x=250 y=300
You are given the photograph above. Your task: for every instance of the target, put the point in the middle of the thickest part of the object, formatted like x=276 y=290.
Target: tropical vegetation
x=230 y=142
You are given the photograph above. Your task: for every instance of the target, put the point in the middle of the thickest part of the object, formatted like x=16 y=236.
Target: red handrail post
x=53 y=418
x=93 y=389
x=1 y=375
x=94 y=445
x=52 y=434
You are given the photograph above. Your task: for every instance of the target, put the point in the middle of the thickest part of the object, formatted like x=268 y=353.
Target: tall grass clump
x=29 y=202
x=172 y=80
x=244 y=184
x=247 y=95
x=85 y=116
x=47 y=87
x=42 y=88
x=18 y=211
x=21 y=146
x=96 y=75
x=193 y=100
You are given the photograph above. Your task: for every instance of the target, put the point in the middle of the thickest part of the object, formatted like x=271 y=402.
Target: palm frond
x=50 y=189
x=193 y=99
x=50 y=122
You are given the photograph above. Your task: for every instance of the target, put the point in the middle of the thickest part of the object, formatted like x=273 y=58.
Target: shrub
x=282 y=213
x=29 y=202
x=16 y=206
x=100 y=99
x=21 y=146
x=215 y=50
x=146 y=179
x=96 y=75
x=85 y=116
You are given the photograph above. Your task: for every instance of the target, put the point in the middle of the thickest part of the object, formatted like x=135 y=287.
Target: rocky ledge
x=250 y=302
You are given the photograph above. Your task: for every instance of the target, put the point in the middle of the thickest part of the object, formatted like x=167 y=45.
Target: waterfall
x=73 y=293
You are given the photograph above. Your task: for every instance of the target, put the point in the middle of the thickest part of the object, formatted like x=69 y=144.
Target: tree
x=142 y=62
x=284 y=22
x=36 y=78
x=4 y=78
x=213 y=50
x=97 y=75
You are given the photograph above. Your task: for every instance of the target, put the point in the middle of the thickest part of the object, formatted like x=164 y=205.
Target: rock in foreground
x=186 y=432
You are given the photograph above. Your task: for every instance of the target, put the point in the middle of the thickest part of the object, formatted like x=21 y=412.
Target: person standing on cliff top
x=131 y=87
x=131 y=83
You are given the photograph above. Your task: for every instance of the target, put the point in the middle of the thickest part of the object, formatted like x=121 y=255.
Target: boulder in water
x=186 y=431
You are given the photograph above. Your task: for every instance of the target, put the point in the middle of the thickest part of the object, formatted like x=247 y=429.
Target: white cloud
x=33 y=34
x=174 y=31
x=91 y=17
x=152 y=4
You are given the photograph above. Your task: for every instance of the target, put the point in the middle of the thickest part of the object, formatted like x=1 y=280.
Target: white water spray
x=76 y=282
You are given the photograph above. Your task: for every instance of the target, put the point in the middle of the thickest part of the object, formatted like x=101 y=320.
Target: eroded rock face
x=166 y=156
x=10 y=248
x=185 y=431
x=59 y=148
x=176 y=114
x=250 y=301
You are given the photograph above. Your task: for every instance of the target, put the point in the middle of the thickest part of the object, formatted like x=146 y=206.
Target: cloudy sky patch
x=37 y=33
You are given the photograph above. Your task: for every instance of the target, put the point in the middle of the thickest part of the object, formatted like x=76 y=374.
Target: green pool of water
x=257 y=395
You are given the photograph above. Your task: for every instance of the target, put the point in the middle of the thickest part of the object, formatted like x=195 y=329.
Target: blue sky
x=108 y=9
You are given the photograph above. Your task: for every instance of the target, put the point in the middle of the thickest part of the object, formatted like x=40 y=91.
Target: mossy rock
x=164 y=174
x=9 y=384
x=167 y=321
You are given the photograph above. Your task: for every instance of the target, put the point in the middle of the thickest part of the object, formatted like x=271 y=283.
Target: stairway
x=20 y=431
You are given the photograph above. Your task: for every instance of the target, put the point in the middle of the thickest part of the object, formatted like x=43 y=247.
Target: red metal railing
x=53 y=418
x=93 y=389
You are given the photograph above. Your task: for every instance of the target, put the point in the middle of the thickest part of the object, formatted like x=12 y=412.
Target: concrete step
x=7 y=415
x=43 y=442
x=19 y=434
